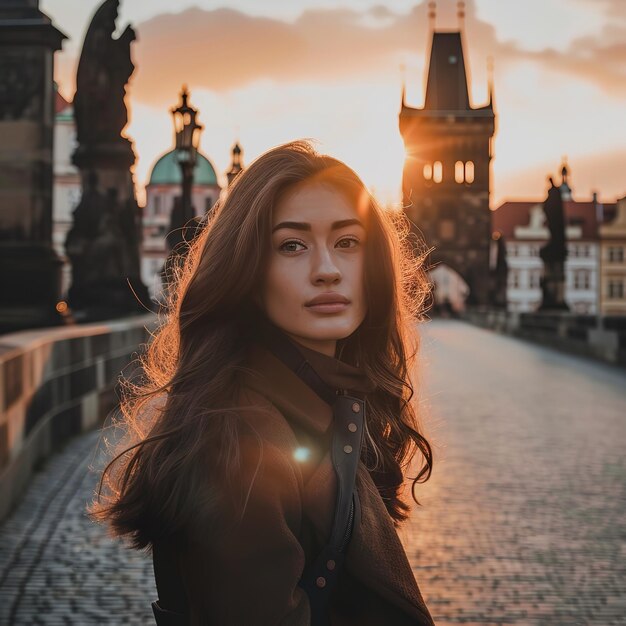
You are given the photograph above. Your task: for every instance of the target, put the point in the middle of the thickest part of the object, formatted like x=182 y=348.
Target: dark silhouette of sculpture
x=103 y=71
x=81 y=235
x=499 y=272
x=554 y=252
x=104 y=243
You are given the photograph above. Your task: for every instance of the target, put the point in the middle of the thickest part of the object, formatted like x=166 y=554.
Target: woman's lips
x=328 y=307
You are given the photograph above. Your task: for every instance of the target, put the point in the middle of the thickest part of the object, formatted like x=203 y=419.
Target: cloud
x=602 y=172
x=225 y=49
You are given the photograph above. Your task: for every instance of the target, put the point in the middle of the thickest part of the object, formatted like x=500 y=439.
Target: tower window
x=459 y=172
x=464 y=172
x=428 y=171
x=437 y=171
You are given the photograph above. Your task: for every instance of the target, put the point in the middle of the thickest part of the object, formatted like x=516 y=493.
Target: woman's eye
x=289 y=246
x=349 y=240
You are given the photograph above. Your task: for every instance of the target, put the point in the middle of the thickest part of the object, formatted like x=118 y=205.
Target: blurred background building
x=162 y=190
x=67 y=184
x=522 y=224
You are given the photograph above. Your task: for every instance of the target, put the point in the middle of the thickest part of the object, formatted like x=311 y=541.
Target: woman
x=226 y=471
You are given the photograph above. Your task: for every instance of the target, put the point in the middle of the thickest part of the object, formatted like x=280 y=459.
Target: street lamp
x=187 y=138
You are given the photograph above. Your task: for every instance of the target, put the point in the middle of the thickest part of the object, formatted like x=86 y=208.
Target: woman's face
x=317 y=249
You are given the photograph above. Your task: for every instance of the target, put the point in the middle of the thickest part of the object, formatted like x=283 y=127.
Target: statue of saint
x=103 y=72
x=555 y=250
x=554 y=253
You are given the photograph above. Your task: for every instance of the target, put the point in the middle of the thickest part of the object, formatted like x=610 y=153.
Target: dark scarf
x=337 y=374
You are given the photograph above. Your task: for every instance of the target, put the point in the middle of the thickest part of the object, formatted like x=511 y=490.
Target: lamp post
x=187 y=138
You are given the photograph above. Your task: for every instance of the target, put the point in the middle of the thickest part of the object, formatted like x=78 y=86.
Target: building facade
x=163 y=188
x=523 y=226
x=613 y=262
x=67 y=185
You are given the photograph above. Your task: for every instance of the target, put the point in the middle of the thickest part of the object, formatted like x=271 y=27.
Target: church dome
x=166 y=171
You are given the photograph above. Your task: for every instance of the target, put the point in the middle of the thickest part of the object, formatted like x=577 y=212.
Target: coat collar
x=268 y=375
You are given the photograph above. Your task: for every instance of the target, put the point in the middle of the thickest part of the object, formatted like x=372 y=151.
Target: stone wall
x=56 y=383
x=601 y=337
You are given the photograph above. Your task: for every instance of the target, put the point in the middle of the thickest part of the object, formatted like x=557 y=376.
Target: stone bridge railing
x=602 y=337
x=54 y=384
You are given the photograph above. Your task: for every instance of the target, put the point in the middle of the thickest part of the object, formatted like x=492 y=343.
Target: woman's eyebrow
x=307 y=226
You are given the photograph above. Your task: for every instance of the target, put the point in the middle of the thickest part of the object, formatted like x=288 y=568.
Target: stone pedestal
x=105 y=240
x=30 y=270
x=553 y=287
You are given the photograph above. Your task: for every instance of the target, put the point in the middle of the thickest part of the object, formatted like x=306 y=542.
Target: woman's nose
x=324 y=268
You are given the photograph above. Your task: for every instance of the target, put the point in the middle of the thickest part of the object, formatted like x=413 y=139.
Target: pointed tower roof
x=446 y=88
x=237 y=165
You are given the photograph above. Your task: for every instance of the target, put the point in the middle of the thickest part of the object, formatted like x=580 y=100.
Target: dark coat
x=250 y=577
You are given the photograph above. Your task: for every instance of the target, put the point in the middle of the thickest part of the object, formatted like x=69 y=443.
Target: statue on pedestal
x=104 y=69
x=554 y=253
x=104 y=243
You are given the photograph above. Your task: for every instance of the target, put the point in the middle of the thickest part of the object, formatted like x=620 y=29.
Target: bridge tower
x=446 y=177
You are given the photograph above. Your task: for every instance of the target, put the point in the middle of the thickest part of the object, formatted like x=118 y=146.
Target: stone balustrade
x=601 y=337
x=56 y=383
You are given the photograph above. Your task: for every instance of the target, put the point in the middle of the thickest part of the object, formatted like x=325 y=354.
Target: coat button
x=321 y=582
x=355 y=407
x=347 y=449
x=330 y=564
x=352 y=427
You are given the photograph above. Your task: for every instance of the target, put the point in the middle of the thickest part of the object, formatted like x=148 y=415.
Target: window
x=512 y=249
x=533 y=250
x=514 y=279
x=535 y=279
x=616 y=289
x=464 y=172
x=157 y=205
x=582 y=279
x=437 y=171
x=428 y=171
x=616 y=254
x=459 y=172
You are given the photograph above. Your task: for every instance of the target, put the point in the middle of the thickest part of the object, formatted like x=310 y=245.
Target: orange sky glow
x=268 y=72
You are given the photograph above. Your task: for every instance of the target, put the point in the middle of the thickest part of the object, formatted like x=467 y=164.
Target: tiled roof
x=586 y=214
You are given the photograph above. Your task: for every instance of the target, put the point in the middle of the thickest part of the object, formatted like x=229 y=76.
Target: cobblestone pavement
x=523 y=521
x=58 y=567
x=524 y=518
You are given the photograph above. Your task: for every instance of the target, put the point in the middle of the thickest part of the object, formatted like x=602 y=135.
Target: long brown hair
x=179 y=421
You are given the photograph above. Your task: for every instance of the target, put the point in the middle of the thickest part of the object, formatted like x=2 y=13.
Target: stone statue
x=103 y=72
x=104 y=244
x=84 y=230
x=554 y=252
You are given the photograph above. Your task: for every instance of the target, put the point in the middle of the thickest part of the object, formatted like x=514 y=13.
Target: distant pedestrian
x=267 y=444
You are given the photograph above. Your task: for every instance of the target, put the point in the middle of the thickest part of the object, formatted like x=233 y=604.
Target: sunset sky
x=265 y=72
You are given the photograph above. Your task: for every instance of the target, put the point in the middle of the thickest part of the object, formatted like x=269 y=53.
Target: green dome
x=166 y=171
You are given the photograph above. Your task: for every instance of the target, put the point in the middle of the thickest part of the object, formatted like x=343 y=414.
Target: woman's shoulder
x=258 y=412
